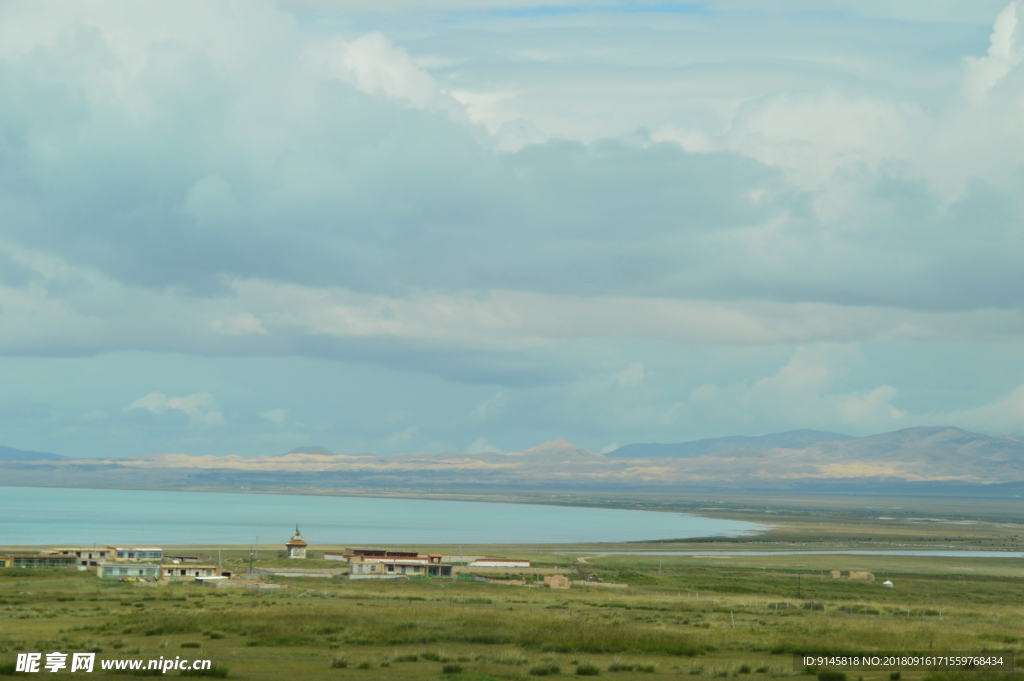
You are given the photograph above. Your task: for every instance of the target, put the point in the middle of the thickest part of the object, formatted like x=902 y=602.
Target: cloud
x=401 y=438
x=200 y=408
x=238 y=324
x=1002 y=415
x=808 y=388
x=534 y=216
x=375 y=66
x=277 y=417
x=1005 y=53
x=631 y=376
x=481 y=446
x=491 y=407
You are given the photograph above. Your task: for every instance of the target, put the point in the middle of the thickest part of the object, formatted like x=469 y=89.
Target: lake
x=941 y=553
x=67 y=516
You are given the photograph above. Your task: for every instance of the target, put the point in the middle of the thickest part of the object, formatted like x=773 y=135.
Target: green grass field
x=692 y=617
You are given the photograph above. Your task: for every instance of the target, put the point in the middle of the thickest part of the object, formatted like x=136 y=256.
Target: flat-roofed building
x=138 y=552
x=178 y=572
x=37 y=560
x=89 y=557
x=395 y=568
x=128 y=571
x=500 y=562
x=369 y=555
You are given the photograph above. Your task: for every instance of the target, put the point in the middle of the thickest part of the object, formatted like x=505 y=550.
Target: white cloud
x=401 y=438
x=481 y=446
x=1005 y=414
x=1005 y=53
x=199 y=407
x=375 y=66
x=492 y=407
x=803 y=391
x=632 y=376
x=278 y=417
x=238 y=324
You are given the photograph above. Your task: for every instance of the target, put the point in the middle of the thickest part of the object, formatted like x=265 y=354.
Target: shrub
x=215 y=672
x=545 y=670
x=827 y=675
x=451 y=669
x=189 y=644
x=407 y=658
x=339 y=663
x=587 y=669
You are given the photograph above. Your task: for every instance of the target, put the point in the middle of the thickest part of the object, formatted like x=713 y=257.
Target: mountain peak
x=558 y=446
x=310 y=449
x=12 y=454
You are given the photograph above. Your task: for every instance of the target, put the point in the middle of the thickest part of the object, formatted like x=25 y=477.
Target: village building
x=37 y=560
x=128 y=571
x=374 y=554
x=296 y=546
x=397 y=568
x=178 y=572
x=557 y=582
x=500 y=562
x=88 y=557
x=138 y=552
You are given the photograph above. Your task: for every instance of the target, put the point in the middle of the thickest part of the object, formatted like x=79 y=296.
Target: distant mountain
x=936 y=460
x=790 y=439
x=310 y=449
x=12 y=454
x=560 y=451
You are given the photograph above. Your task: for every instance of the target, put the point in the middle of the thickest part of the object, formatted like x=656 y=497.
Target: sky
x=474 y=225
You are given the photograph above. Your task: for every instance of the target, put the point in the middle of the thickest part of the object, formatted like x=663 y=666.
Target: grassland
x=694 y=617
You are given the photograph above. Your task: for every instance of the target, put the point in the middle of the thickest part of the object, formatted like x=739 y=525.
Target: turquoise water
x=950 y=553
x=42 y=515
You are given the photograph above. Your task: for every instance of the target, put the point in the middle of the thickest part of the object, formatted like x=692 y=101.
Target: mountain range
x=790 y=439
x=12 y=454
x=918 y=458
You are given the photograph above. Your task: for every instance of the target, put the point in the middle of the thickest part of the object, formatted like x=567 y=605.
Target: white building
x=127 y=571
x=500 y=562
x=89 y=557
x=396 y=568
x=138 y=552
x=178 y=572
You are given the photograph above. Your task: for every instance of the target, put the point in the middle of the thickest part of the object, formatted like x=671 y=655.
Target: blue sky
x=400 y=226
